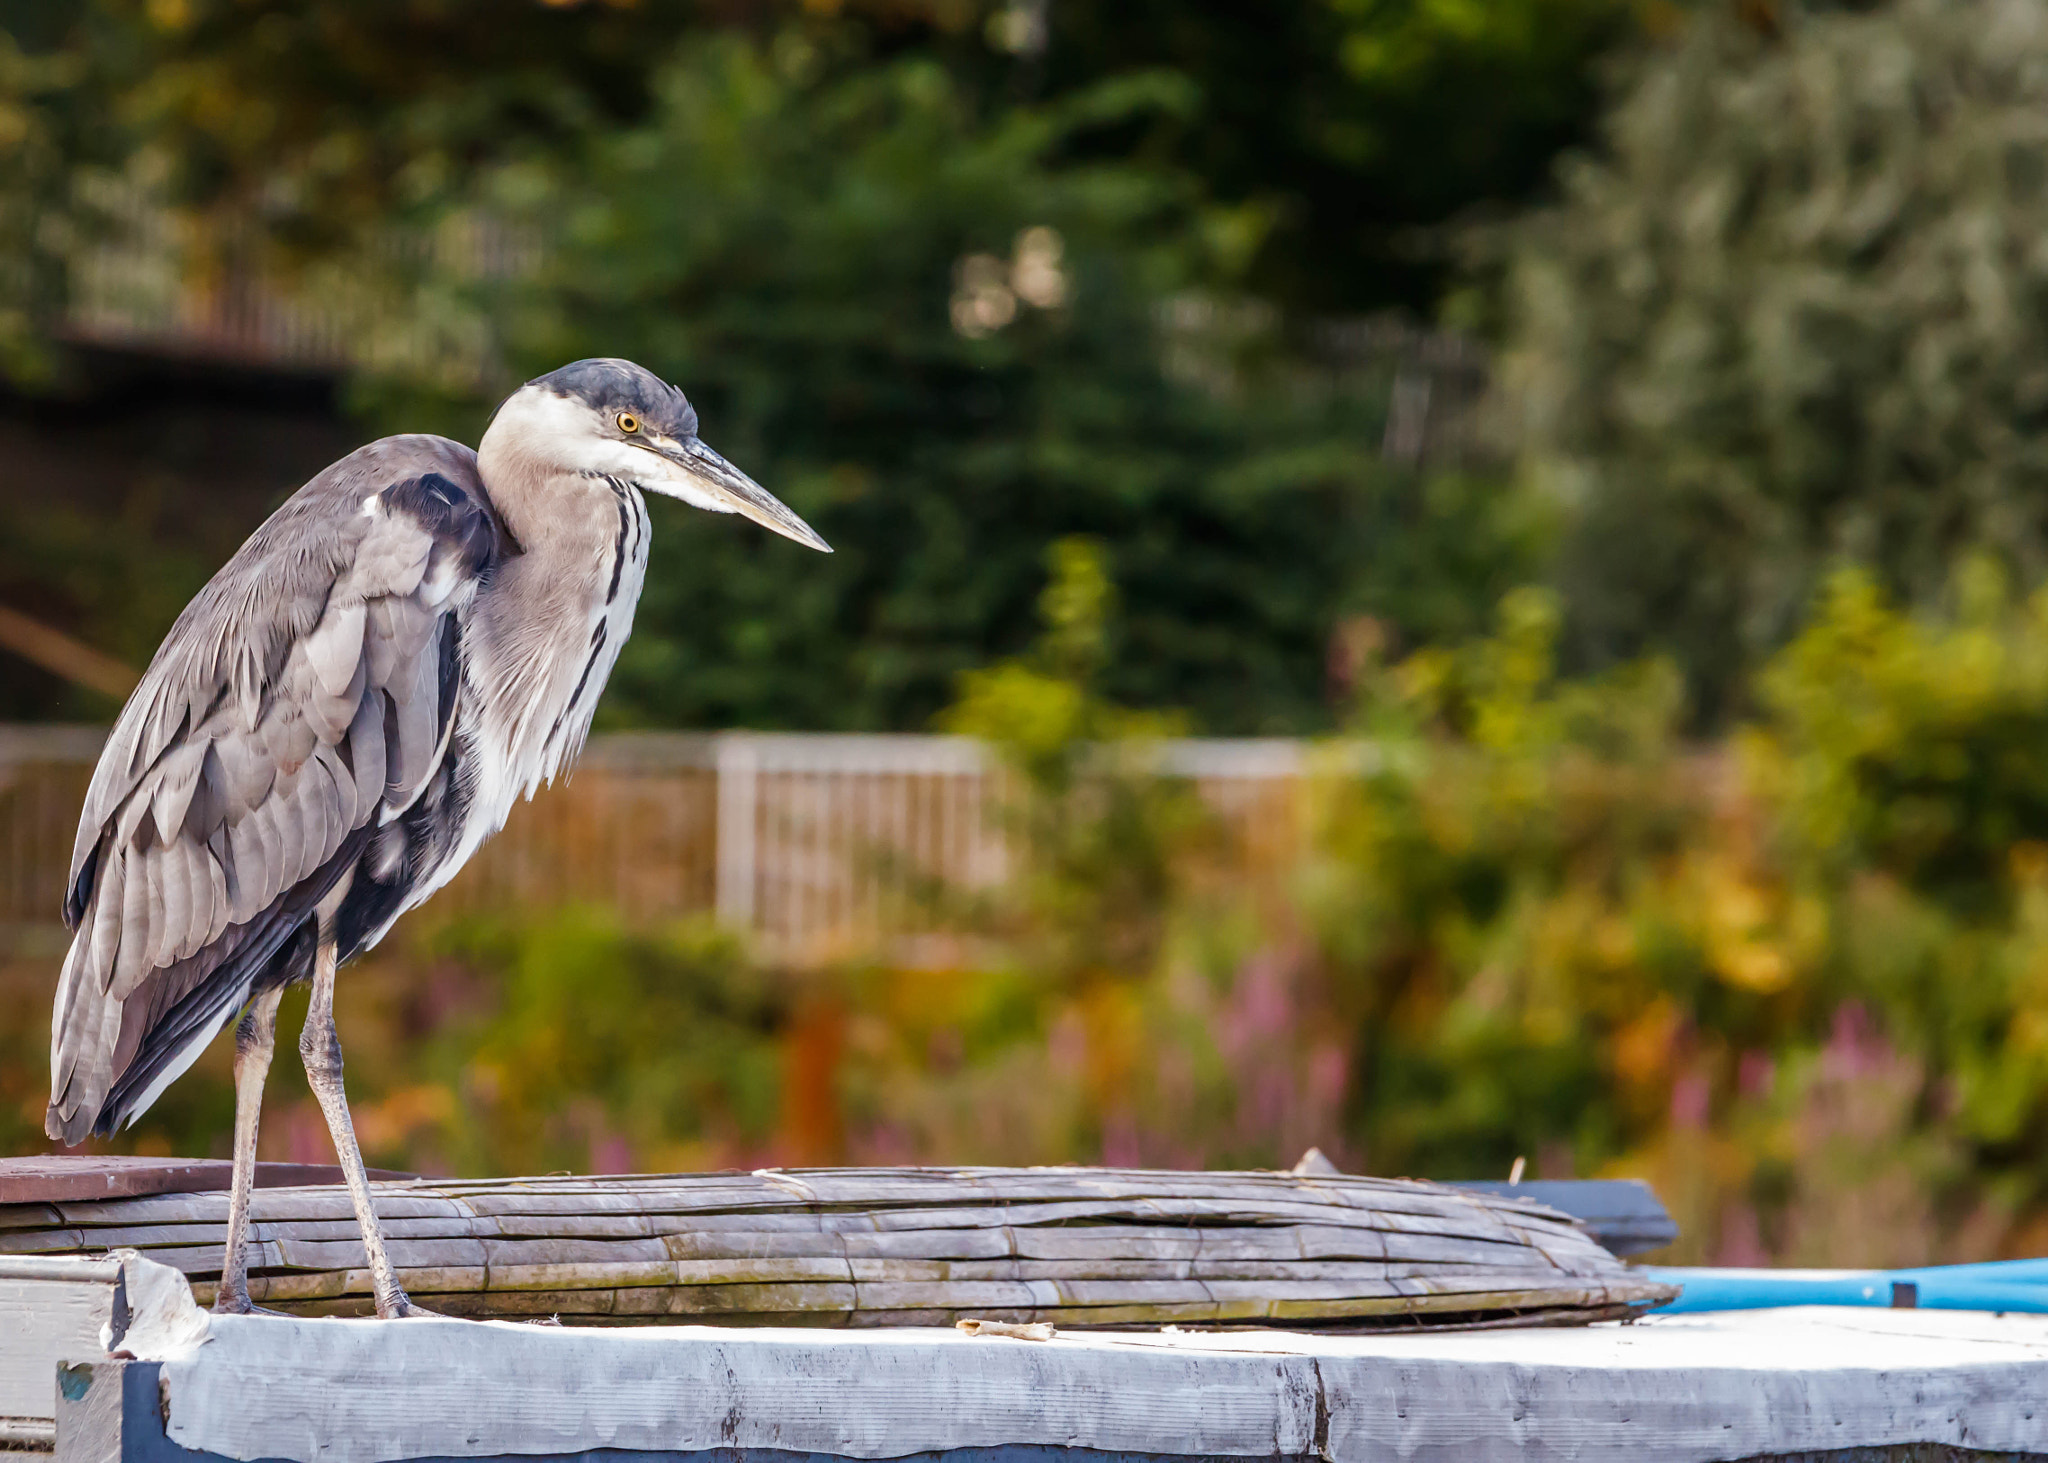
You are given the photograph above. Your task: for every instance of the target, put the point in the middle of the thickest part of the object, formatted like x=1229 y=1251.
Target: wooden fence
x=809 y=841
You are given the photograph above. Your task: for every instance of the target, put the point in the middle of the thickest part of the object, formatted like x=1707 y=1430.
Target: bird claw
x=401 y=1308
x=243 y=1306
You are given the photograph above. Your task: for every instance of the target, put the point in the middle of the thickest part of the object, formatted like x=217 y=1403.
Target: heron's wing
x=300 y=699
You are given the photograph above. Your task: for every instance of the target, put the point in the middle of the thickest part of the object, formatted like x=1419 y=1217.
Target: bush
x=1793 y=311
x=942 y=342
x=1794 y=979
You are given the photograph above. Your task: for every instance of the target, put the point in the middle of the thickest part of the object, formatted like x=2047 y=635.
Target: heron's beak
x=738 y=493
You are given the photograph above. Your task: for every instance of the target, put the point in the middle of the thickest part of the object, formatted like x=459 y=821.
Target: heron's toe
x=229 y=1306
x=401 y=1308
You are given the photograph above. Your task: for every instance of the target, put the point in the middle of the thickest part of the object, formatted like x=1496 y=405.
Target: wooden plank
x=1115 y=1242
x=759 y=1221
x=585 y=1276
x=1421 y=1248
x=201 y=1259
x=943 y=1244
x=1342 y=1271
x=60 y=1177
x=745 y=1245
x=561 y=1251
x=314 y=1230
x=989 y=1216
x=1623 y=1215
x=49 y=1313
x=1476 y=1224
x=42 y=1241
x=968 y=1295
x=1234 y=1248
x=513 y=1304
x=266 y=1204
x=733 y=1272
x=709 y=1184
x=793 y=1300
x=274 y=1286
x=647 y=1304
x=602 y=1201
x=90 y=1414
x=583 y=1226
x=142 y=1236
x=1138 y=1184
x=347 y=1254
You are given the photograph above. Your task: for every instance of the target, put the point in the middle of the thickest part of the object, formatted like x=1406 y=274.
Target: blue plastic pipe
x=1999 y=1285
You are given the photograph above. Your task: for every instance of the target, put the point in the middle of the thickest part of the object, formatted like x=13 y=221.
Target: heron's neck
x=545 y=632
x=523 y=488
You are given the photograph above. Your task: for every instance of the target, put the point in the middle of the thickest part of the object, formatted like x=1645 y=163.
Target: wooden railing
x=810 y=841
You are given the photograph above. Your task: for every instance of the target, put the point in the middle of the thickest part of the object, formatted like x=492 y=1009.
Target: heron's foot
x=399 y=1307
x=241 y=1305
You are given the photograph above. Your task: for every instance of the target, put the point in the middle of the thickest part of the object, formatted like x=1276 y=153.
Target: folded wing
x=301 y=703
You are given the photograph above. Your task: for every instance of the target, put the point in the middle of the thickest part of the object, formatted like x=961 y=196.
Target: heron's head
x=611 y=418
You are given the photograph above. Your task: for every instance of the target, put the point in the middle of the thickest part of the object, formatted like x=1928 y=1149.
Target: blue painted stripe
x=2002 y=1285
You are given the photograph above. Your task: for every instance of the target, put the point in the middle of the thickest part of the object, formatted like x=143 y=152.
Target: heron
x=411 y=644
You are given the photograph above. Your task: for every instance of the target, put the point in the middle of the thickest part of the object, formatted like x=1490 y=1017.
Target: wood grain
x=1077 y=1247
x=48 y=1314
x=51 y=1178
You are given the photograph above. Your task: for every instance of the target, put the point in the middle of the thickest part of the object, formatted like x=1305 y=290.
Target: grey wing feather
x=295 y=700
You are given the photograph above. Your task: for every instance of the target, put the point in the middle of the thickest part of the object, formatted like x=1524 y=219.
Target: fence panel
x=810 y=841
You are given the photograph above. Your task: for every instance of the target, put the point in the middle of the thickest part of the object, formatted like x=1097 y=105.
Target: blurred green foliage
x=943 y=347
x=1793 y=310
x=1352 y=130
x=803 y=214
x=1093 y=828
x=1793 y=979
x=804 y=256
x=1031 y=323
x=1336 y=128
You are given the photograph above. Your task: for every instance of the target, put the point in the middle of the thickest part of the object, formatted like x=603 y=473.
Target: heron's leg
x=320 y=1046
x=254 y=1038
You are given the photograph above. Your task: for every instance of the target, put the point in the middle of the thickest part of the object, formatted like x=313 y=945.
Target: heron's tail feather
x=85 y=1021
x=114 y=1048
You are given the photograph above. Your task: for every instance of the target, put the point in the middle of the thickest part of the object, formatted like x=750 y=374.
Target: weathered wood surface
x=1625 y=1215
x=43 y=1178
x=873 y=1247
x=49 y=1313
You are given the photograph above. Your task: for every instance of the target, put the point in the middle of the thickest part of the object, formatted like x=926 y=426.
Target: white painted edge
x=32 y=1434
x=163 y=1319
x=1688 y=1389
x=82 y=1272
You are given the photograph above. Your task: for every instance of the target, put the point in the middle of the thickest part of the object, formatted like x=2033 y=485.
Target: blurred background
x=1450 y=581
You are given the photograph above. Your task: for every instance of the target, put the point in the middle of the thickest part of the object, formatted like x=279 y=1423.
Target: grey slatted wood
x=1078 y=1247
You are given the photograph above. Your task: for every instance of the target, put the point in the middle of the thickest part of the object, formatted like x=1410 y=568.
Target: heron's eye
x=628 y=422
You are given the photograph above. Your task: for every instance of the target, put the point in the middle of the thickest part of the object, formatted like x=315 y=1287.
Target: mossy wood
x=876 y=1247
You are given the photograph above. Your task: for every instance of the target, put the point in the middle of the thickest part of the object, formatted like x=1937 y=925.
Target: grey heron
x=412 y=643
